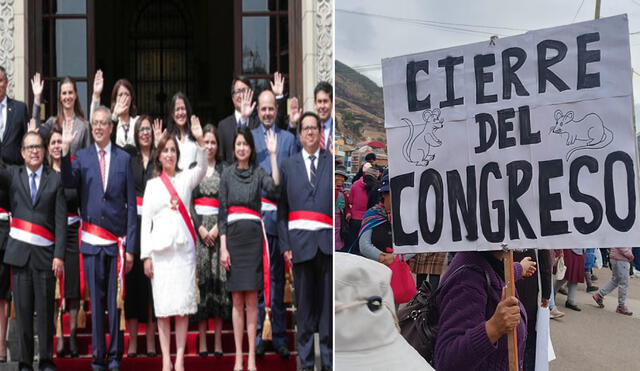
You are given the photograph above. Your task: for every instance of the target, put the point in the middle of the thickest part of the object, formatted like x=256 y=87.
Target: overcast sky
x=398 y=27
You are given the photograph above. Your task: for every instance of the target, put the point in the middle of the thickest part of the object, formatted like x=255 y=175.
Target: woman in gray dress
x=69 y=109
x=215 y=301
x=241 y=236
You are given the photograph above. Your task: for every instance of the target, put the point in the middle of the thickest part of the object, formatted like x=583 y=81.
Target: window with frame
x=65 y=40
x=262 y=40
x=161 y=43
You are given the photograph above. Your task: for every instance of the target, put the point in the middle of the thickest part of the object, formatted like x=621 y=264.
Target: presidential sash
x=236 y=213
x=30 y=233
x=309 y=221
x=206 y=205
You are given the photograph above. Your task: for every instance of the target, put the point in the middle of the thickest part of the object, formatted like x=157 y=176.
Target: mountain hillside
x=359 y=105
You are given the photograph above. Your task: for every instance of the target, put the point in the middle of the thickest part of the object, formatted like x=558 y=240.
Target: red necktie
x=322 y=140
x=102 y=167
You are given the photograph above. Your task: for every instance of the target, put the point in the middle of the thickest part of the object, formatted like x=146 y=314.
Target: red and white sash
x=309 y=221
x=206 y=205
x=4 y=214
x=139 y=205
x=186 y=224
x=268 y=205
x=72 y=218
x=96 y=235
x=30 y=233
x=235 y=213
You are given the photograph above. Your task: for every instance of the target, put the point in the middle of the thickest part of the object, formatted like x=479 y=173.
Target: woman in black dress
x=138 y=304
x=71 y=291
x=241 y=236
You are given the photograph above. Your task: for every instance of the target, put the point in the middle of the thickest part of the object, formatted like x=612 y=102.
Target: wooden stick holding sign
x=510 y=283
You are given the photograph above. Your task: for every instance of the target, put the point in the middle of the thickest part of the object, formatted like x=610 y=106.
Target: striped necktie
x=102 y=168
x=322 y=140
x=312 y=178
x=34 y=188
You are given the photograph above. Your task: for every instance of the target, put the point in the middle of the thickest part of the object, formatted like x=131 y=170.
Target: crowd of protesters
x=474 y=313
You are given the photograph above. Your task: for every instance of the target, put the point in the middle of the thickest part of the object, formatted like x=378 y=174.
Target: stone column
x=13 y=46
x=317 y=46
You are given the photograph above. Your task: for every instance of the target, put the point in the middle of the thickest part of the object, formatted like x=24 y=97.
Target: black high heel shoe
x=73 y=344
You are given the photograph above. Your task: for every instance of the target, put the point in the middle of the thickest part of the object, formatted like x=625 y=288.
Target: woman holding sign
x=242 y=237
x=476 y=314
x=168 y=241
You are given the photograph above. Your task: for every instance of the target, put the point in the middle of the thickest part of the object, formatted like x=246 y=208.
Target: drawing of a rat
x=588 y=129
x=417 y=148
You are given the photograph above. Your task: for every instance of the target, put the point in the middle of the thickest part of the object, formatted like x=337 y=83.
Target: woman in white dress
x=167 y=241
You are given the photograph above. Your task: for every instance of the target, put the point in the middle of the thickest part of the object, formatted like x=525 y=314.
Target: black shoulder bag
x=418 y=320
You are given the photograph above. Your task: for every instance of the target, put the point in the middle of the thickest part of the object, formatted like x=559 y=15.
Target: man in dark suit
x=102 y=174
x=267 y=112
x=242 y=96
x=323 y=102
x=13 y=123
x=305 y=227
x=35 y=248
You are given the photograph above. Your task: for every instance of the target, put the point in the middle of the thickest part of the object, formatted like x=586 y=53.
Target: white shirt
x=38 y=177
x=107 y=161
x=3 y=113
x=188 y=153
x=307 y=161
x=120 y=138
x=238 y=121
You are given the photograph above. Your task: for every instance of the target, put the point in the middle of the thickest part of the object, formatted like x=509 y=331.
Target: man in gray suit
x=35 y=248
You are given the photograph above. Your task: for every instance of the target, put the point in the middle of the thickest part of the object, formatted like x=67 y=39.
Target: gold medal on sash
x=174 y=202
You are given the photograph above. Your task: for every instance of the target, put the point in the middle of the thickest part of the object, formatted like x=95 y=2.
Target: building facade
x=165 y=46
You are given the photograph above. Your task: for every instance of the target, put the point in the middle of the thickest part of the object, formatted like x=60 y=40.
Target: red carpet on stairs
x=270 y=362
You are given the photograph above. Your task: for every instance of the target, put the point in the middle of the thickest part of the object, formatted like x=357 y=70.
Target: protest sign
x=527 y=140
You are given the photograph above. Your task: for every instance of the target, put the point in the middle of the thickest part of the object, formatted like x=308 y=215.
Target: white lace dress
x=167 y=244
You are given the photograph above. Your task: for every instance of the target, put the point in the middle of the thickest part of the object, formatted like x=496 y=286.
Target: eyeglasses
x=33 y=147
x=100 y=124
x=146 y=128
x=309 y=128
x=239 y=91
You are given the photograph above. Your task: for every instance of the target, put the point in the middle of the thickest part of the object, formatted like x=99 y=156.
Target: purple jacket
x=464 y=306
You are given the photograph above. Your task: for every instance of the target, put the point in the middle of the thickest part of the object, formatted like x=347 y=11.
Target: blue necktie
x=34 y=189
x=312 y=179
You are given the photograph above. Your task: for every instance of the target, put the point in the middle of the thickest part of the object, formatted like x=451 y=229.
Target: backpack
x=418 y=320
